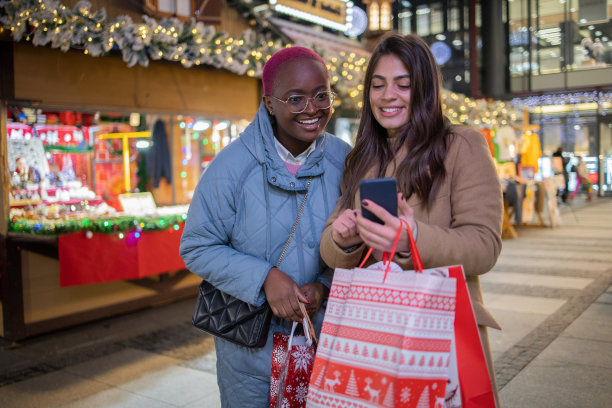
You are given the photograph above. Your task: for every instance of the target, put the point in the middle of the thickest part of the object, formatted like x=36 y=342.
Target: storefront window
x=454 y=18
x=437 y=19
x=606 y=152
x=404 y=22
x=576 y=133
x=558 y=36
x=68 y=160
x=423 y=25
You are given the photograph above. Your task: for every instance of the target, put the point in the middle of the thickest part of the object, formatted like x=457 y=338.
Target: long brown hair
x=425 y=135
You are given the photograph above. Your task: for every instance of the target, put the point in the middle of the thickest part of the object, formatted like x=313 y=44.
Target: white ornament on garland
x=49 y=22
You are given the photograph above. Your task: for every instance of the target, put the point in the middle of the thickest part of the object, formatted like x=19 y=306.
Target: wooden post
x=4 y=172
x=126 y=152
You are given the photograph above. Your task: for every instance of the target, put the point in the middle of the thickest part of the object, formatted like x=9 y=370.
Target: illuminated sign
x=328 y=13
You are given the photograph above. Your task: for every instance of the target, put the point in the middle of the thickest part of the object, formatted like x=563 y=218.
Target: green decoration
x=108 y=226
x=68 y=149
x=49 y=22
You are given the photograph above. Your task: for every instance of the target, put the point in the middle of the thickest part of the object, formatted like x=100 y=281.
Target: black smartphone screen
x=382 y=191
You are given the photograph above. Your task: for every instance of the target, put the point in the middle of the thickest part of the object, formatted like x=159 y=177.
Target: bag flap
x=226 y=311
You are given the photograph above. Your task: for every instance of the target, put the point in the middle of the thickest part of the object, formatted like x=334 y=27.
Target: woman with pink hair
x=246 y=203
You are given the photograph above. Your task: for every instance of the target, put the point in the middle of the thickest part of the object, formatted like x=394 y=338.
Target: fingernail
x=355 y=213
x=364 y=203
x=307 y=300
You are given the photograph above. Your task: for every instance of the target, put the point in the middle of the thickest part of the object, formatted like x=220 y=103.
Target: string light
x=120 y=225
x=244 y=54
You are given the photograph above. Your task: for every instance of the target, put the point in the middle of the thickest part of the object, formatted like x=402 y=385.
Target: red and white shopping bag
x=387 y=338
x=292 y=361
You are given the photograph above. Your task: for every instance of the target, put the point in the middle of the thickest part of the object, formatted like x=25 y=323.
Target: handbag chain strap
x=295 y=224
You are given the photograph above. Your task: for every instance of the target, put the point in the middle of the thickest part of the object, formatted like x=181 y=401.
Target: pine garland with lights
x=48 y=22
x=107 y=226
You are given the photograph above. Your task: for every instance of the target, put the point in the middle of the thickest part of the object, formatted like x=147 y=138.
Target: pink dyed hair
x=272 y=66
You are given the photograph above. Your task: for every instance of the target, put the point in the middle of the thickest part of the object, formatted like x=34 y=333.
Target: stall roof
x=312 y=36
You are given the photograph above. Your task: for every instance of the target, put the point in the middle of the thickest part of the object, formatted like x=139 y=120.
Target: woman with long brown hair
x=449 y=192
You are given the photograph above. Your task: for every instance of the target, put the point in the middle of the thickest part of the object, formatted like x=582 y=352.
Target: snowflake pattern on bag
x=301 y=360
x=302 y=356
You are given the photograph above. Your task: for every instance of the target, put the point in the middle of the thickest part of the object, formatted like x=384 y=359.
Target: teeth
x=390 y=109
x=309 y=122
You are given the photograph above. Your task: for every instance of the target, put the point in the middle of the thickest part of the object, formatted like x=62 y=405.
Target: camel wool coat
x=463 y=225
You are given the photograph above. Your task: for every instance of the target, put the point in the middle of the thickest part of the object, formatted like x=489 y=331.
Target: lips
x=390 y=110
x=309 y=124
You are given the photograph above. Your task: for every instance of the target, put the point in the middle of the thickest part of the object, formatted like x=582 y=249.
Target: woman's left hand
x=380 y=237
x=316 y=293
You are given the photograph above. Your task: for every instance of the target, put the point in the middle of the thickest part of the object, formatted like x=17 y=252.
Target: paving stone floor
x=550 y=291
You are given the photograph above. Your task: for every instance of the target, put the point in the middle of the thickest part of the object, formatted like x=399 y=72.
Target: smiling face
x=302 y=76
x=390 y=94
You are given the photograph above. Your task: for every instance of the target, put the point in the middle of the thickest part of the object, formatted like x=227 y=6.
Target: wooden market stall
x=102 y=274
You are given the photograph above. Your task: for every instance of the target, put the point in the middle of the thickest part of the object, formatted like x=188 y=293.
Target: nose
x=310 y=106
x=389 y=93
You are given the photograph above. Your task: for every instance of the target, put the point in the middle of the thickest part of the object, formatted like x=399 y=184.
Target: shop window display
x=562 y=40
x=68 y=190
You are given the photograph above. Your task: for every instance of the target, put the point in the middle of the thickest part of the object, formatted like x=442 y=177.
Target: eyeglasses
x=299 y=103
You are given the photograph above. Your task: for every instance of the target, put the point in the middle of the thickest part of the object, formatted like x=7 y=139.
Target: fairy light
x=346 y=68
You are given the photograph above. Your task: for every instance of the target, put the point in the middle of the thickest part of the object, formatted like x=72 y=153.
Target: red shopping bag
x=292 y=361
x=387 y=339
x=474 y=379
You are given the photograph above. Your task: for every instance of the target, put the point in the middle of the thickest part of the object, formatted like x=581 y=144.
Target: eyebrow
x=302 y=92
x=405 y=76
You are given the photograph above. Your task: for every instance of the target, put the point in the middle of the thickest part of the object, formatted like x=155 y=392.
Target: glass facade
x=547 y=37
x=445 y=27
x=560 y=53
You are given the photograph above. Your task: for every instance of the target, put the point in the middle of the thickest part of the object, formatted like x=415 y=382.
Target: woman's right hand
x=344 y=229
x=283 y=295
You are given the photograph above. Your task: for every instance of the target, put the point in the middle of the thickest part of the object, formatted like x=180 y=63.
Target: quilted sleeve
x=205 y=243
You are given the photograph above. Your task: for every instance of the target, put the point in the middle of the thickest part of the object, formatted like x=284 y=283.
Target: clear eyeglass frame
x=287 y=102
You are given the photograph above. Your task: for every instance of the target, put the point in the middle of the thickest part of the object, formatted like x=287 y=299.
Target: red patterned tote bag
x=292 y=361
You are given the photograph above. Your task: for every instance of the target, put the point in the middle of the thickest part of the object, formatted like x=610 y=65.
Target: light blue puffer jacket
x=238 y=222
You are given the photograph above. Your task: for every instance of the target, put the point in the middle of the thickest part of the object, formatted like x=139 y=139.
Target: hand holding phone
x=382 y=191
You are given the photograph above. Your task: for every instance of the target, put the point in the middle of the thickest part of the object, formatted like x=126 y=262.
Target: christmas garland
x=109 y=226
x=192 y=43
x=48 y=22
x=67 y=149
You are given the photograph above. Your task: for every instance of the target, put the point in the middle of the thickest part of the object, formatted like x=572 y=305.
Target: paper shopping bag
x=292 y=361
x=388 y=336
x=476 y=390
x=384 y=344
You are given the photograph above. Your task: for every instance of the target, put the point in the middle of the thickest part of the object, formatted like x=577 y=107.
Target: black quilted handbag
x=225 y=316
x=232 y=319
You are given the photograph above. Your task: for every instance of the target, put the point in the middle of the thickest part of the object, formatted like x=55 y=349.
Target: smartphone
x=382 y=191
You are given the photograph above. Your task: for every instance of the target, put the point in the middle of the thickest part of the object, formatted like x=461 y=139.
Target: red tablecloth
x=106 y=257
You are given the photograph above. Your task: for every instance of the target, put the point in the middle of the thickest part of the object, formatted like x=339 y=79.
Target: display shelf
x=24 y=203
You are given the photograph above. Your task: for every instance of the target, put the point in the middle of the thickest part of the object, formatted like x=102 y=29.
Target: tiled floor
x=550 y=291
x=528 y=279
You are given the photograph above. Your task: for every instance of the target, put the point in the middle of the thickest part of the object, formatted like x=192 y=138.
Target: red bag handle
x=416 y=257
